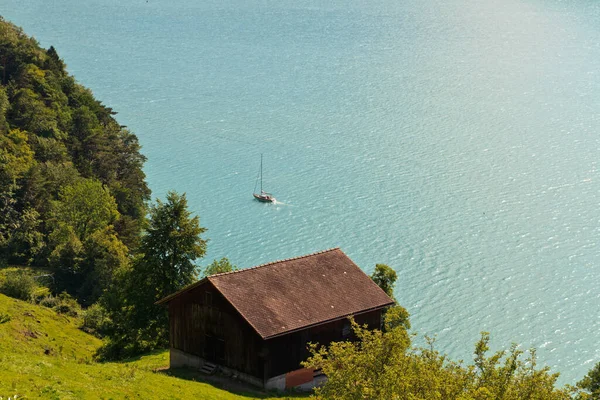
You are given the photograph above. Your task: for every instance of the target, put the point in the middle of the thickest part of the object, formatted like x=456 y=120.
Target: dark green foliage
x=590 y=384
x=95 y=320
x=85 y=206
x=86 y=251
x=219 y=267
x=64 y=303
x=169 y=247
x=67 y=305
x=16 y=157
x=18 y=284
x=67 y=171
x=385 y=278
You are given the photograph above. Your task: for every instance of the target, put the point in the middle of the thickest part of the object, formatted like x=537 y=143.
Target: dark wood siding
x=204 y=324
x=285 y=353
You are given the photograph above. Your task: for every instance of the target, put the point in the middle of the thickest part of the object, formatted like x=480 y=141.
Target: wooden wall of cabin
x=202 y=319
x=285 y=353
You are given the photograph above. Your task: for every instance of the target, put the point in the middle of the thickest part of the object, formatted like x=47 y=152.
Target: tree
x=84 y=248
x=590 y=384
x=16 y=157
x=20 y=241
x=104 y=256
x=219 y=267
x=86 y=206
x=169 y=247
x=381 y=365
x=385 y=278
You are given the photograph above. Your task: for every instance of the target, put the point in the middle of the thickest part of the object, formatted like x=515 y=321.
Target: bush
x=39 y=294
x=95 y=320
x=67 y=305
x=49 y=301
x=62 y=304
x=19 y=285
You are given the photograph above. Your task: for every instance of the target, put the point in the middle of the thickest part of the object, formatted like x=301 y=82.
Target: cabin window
x=208 y=298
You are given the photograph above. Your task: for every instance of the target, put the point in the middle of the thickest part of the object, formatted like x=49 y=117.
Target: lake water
x=457 y=141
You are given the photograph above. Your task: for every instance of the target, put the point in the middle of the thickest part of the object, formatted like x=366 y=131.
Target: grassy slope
x=45 y=355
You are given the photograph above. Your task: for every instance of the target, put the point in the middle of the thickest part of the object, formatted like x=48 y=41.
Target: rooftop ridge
x=272 y=262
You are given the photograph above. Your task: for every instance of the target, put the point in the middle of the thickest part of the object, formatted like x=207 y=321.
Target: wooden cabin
x=256 y=323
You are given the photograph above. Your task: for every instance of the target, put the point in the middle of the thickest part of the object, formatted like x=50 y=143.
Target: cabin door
x=214 y=349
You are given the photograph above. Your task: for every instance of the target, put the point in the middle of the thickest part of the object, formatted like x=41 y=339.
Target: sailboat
x=262 y=196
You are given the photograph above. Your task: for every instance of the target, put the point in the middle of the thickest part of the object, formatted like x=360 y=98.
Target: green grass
x=45 y=355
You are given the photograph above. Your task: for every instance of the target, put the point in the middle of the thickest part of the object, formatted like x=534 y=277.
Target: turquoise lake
x=457 y=141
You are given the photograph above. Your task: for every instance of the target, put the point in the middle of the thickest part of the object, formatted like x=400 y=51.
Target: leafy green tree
x=104 y=255
x=385 y=278
x=381 y=365
x=85 y=249
x=395 y=317
x=20 y=240
x=43 y=184
x=27 y=242
x=170 y=245
x=219 y=267
x=29 y=112
x=16 y=157
x=86 y=206
x=590 y=384
x=53 y=62
x=363 y=369
x=85 y=139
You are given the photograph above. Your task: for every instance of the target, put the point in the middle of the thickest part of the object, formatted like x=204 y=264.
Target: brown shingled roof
x=293 y=294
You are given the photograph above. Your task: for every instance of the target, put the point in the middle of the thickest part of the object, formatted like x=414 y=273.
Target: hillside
x=72 y=190
x=45 y=355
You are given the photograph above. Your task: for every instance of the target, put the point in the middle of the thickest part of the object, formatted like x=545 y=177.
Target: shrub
x=67 y=305
x=49 y=301
x=95 y=320
x=40 y=293
x=62 y=304
x=19 y=285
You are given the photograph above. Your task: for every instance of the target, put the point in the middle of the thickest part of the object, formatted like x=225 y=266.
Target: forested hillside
x=72 y=190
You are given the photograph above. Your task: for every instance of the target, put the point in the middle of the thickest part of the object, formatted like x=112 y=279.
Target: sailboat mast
x=261 y=157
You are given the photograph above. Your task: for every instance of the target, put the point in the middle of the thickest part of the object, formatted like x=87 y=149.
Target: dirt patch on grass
x=30 y=334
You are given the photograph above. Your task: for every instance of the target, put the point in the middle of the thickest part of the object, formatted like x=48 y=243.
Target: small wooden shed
x=256 y=323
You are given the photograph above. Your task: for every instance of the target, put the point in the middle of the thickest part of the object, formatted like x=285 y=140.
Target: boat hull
x=263 y=198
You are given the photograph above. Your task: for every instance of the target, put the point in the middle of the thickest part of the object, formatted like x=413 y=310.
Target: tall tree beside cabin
x=169 y=246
